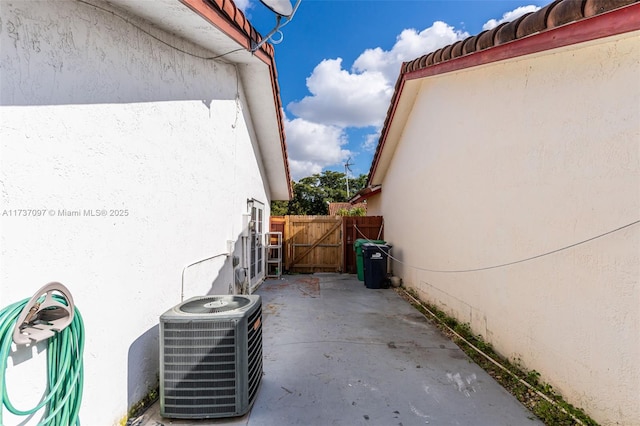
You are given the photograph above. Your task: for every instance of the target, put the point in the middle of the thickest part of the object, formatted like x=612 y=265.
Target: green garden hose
x=64 y=367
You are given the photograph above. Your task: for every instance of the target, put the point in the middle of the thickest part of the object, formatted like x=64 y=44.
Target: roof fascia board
x=365 y=194
x=240 y=35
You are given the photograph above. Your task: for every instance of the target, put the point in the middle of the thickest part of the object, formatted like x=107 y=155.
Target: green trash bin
x=357 y=247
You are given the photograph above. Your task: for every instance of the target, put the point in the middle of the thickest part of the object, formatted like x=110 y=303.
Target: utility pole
x=347 y=169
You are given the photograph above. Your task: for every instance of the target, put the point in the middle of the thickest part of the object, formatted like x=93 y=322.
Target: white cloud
x=360 y=97
x=509 y=16
x=371 y=141
x=344 y=99
x=410 y=44
x=301 y=169
x=243 y=5
x=312 y=146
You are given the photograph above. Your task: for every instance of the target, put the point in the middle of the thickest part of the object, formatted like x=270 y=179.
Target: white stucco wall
x=512 y=160
x=97 y=115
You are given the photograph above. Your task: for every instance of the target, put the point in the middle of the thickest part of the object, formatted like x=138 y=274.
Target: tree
x=279 y=208
x=356 y=184
x=312 y=194
x=308 y=197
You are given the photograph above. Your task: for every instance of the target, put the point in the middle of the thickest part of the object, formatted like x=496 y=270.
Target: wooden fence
x=355 y=228
x=323 y=243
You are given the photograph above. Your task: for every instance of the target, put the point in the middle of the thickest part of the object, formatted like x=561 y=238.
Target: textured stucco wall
x=97 y=115
x=513 y=160
x=373 y=206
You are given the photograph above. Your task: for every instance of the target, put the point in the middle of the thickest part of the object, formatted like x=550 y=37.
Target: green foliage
x=533 y=378
x=309 y=197
x=356 y=184
x=356 y=211
x=138 y=408
x=312 y=194
x=279 y=208
x=484 y=346
x=464 y=330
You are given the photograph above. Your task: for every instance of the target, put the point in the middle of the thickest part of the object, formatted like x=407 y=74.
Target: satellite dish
x=279 y=7
x=282 y=9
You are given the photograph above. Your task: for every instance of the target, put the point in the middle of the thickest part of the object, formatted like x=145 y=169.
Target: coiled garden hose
x=64 y=369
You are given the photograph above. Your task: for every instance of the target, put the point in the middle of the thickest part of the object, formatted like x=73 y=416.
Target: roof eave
x=220 y=27
x=365 y=193
x=230 y=20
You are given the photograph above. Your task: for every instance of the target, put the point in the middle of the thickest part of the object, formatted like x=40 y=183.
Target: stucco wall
x=516 y=159
x=373 y=206
x=97 y=115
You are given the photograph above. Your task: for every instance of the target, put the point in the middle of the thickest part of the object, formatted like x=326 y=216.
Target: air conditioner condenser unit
x=210 y=356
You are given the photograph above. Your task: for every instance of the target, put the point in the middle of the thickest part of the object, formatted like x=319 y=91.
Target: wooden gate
x=313 y=243
x=324 y=243
x=358 y=227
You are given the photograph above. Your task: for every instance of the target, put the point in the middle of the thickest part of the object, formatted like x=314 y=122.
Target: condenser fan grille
x=205 y=379
x=214 y=304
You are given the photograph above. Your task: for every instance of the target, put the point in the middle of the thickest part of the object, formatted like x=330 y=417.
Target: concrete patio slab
x=337 y=353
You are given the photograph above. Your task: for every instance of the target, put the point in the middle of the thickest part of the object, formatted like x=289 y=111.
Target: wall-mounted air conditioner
x=210 y=356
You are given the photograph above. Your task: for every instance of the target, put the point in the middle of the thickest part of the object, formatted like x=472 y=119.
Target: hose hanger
x=49 y=311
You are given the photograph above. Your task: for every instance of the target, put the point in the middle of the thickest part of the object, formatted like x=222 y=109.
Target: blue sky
x=339 y=60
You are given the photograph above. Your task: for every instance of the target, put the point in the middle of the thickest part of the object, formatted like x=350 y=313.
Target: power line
x=502 y=265
x=207 y=58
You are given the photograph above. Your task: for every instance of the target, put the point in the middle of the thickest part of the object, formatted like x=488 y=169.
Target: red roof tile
x=535 y=22
x=555 y=14
x=565 y=12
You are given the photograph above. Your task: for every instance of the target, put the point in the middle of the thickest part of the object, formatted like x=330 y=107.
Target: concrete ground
x=337 y=353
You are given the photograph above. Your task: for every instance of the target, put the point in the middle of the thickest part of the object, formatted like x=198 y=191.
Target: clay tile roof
x=429 y=60
x=484 y=40
x=509 y=31
x=565 y=12
x=469 y=45
x=551 y=16
x=592 y=7
x=555 y=14
x=535 y=22
x=456 y=50
x=446 y=52
x=237 y=18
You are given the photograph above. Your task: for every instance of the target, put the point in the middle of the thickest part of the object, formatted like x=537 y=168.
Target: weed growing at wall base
x=558 y=413
x=140 y=407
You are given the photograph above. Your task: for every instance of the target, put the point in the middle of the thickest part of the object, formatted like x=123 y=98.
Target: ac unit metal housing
x=210 y=356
